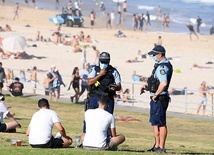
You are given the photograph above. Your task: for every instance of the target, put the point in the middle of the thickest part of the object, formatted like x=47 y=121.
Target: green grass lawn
x=185 y=136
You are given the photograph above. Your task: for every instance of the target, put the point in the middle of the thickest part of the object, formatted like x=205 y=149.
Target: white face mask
x=103 y=66
x=155 y=58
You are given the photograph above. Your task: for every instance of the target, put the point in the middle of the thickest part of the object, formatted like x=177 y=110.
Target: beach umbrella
x=14 y=43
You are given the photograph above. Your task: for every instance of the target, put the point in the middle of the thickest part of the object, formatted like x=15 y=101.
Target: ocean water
x=180 y=11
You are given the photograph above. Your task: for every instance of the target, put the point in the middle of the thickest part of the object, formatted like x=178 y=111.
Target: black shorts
x=3 y=127
x=92 y=23
x=1 y=84
x=53 y=143
x=124 y=10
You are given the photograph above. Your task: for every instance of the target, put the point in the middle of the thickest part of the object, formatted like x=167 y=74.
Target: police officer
x=103 y=79
x=158 y=84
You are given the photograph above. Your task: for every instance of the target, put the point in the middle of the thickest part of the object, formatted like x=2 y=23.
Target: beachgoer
x=70 y=5
x=16 y=87
x=96 y=137
x=40 y=128
x=9 y=126
x=33 y=79
x=2 y=77
x=138 y=58
x=124 y=6
x=102 y=9
x=141 y=20
x=75 y=81
x=84 y=55
x=57 y=4
x=112 y=18
x=59 y=82
x=126 y=95
x=119 y=19
x=203 y=97
x=84 y=78
x=192 y=30
x=159 y=41
x=167 y=21
x=92 y=19
x=198 y=23
x=26 y=3
x=134 y=22
x=46 y=85
x=51 y=78
x=108 y=23
x=97 y=53
x=22 y=77
x=159 y=13
x=75 y=44
x=3 y=2
x=148 y=23
x=120 y=34
x=157 y=85
x=34 y=3
x=16 y=11
x=81 y=36
x=7 y=28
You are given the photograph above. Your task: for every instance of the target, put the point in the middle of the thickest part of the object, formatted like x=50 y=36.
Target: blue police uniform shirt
x=161 y=73
x=117 y=79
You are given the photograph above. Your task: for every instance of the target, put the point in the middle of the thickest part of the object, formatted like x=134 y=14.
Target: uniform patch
x=90 y=70
x=162 y=71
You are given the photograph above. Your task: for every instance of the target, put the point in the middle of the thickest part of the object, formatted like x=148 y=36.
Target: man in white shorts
x=203 y=97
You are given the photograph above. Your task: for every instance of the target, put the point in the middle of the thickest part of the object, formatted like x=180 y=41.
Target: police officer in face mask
x=157 y=85
x=103 y=79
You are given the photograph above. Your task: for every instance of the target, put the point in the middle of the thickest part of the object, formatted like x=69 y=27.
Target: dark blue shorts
x=157 y=113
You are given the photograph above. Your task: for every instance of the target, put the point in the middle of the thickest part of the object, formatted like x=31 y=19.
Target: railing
x=186 y=103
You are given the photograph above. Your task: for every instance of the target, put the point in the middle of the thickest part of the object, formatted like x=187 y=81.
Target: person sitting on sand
x=1 y=53
x=37 y=38
x=159 y=41
x=138 y=78
x=138 y=58
x=120 y=34
x=65 y=42
x=56 y=38
x=81 y=36
x=1 y=29
x=88 y=39
x=75 y=44
x=7 y=28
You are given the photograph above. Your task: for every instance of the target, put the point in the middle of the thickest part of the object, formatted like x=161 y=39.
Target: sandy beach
x=184 y=52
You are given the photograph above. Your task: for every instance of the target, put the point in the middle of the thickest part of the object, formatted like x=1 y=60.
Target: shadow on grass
x=197 y=153
x=169 y=151
x=130 y=150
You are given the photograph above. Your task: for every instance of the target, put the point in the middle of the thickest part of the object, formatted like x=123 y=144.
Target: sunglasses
x=156 y=54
